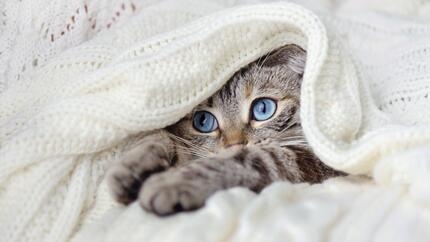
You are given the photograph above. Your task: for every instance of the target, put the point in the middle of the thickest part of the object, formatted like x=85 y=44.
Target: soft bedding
x=82 y=81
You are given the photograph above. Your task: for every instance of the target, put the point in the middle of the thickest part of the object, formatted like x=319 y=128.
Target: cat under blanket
x=247 y=134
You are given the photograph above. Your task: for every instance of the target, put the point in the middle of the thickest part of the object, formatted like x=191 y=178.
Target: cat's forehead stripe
x=248 y=89
x=210 y=102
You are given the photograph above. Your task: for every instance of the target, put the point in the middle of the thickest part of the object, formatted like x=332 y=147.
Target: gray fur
x=178 y=168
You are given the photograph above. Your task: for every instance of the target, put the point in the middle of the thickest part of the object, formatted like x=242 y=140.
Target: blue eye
x=204 y=122
x=263 y=109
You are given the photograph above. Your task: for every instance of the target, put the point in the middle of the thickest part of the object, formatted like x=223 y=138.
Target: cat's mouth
x=235 y=146
x=239 y=143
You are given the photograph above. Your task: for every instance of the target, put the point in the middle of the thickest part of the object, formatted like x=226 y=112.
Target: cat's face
x=259 y=104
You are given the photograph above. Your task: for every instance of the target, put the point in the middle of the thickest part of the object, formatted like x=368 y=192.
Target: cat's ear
x=291 y=56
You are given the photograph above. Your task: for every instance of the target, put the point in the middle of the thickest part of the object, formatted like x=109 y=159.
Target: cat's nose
x=233 y=138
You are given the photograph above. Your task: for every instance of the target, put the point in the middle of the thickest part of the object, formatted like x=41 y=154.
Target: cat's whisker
x=293 y=143
x=203 y=154
x=192 y=154
x=279 y=135
x=290 y=141
x=260 y=65
x=193 y=151
x=198 y=150
x=286 y=128
x=182 y=140
x=189 y=143
x=189 y=152
x=291 y=138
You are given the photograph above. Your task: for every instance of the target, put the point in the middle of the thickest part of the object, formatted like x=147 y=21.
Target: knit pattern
x=80 y=81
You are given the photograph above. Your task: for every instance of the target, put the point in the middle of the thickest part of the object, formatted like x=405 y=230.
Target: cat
x=247 y=134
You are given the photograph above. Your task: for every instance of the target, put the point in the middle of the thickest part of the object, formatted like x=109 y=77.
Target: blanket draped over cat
x=81 y=81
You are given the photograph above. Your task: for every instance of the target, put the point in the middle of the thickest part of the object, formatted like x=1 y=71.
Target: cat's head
x=259 y=103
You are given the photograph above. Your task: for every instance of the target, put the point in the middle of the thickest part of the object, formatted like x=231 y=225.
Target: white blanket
x=80 y=81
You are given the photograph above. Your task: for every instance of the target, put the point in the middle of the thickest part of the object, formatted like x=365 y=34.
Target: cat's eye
x=263 y=109
x=204 y=122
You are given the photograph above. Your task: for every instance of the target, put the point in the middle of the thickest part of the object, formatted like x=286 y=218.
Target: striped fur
x=178 y=168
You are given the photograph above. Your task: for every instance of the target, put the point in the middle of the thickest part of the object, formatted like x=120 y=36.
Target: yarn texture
x=80 y=81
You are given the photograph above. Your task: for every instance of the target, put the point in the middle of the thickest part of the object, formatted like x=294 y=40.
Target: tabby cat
x=247 y=134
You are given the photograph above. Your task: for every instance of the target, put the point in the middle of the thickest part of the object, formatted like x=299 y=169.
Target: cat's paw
x=167 y=193
x=126 y=177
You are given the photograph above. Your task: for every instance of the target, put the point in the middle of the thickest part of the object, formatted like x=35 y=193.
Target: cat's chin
x=235 y=147
x=230 y=150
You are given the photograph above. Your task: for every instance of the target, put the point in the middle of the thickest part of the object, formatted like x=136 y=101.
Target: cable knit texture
x=80 y=80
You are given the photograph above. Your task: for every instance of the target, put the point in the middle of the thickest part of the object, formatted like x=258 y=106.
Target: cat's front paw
x=126 y=177
x=168 y=193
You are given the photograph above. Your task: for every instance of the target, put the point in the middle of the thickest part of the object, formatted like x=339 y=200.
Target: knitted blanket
x=80 y=81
